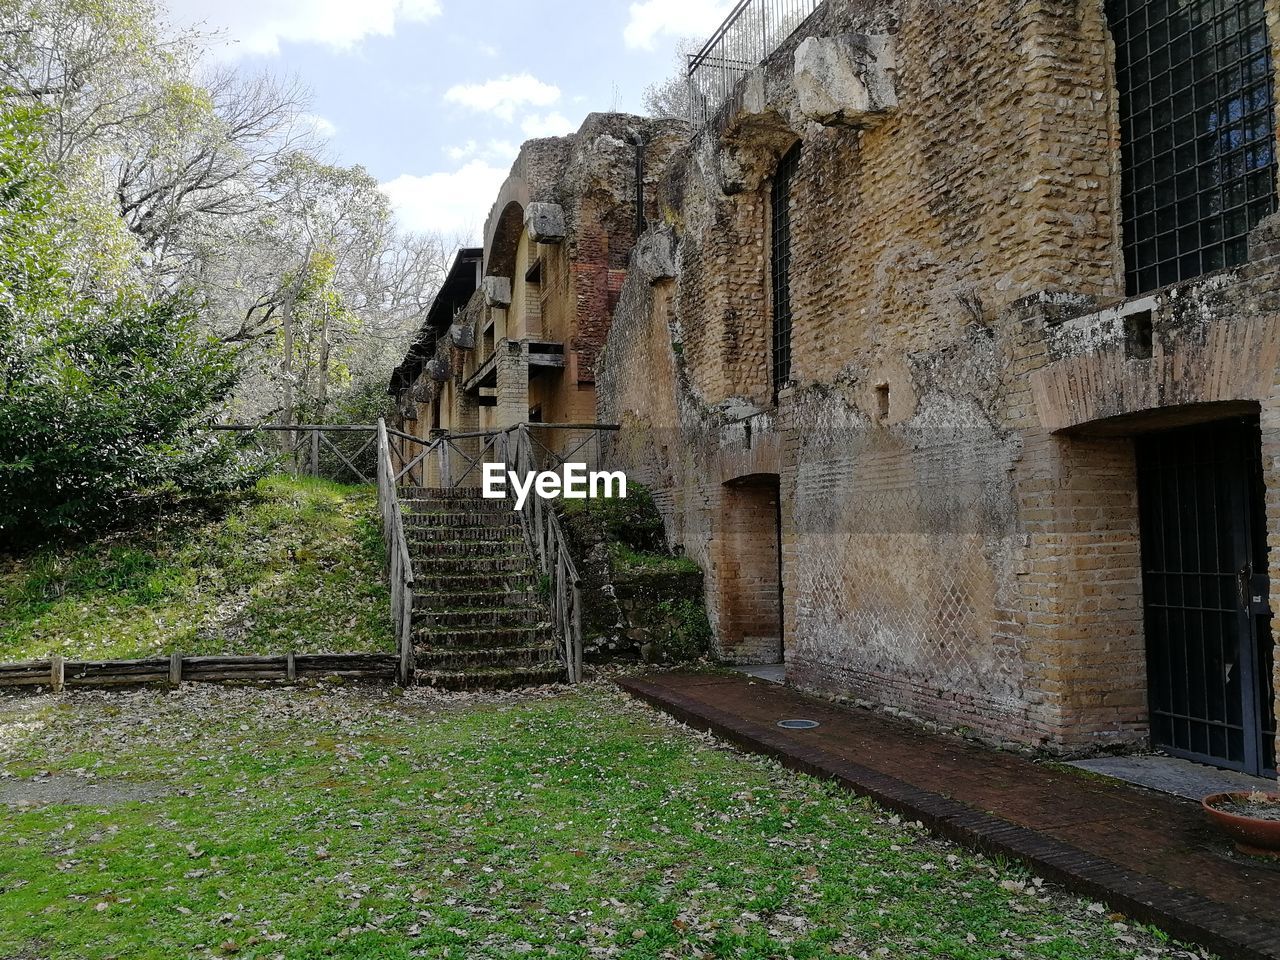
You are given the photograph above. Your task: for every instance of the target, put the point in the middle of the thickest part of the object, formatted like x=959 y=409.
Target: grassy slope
x=295 y=565
x=365 y=824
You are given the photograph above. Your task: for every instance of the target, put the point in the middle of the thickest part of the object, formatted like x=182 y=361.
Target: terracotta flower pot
x=1258 y=838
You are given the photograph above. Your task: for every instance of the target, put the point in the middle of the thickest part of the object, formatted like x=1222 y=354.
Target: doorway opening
x=1206 y=594
x=750 y=570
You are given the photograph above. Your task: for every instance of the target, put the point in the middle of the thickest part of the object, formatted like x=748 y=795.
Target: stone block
x=1264 y=239
x=497 y=291
x=655 y=255
x=545 y=222
x=463 y=336
x=846 y=80
x=438 y=370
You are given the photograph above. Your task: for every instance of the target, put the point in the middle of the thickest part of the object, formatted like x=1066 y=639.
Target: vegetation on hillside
x=640 y=597
x=175 y=247
x=292 y=565
x=102 y=387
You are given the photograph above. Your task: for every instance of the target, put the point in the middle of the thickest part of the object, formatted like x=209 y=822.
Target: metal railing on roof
x=752 y=30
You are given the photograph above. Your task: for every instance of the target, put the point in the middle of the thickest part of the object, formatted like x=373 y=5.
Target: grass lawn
x=370 y=823
x=294 y=565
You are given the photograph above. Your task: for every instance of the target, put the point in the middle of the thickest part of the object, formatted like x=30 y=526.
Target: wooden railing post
x=576 y=626
x=400 y=564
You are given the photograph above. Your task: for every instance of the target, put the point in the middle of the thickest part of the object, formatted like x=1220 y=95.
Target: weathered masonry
x=953 y=361
x=514 y=332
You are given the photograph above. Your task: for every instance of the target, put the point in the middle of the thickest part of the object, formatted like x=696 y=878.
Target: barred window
x=1197 y=134
x=780 y=266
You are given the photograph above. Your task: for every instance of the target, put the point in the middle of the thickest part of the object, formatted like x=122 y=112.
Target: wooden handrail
x=399 y=561
x=546 y=540
x=322 y=427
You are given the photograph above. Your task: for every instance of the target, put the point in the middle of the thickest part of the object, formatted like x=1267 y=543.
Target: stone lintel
x=654 y=255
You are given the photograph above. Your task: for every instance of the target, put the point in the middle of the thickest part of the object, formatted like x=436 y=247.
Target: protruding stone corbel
x=497 y=291
x=655 y=255
x=545 y=222
x=847 y=80
x=462 y=336
x=438 y=370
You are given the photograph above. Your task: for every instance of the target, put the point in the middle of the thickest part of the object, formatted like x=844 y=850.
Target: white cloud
x=552 y=125
x=260 y=26
x=450 y=203
x=503 y=95
x=321 y=125
x=461 y=150
x=498 y=151
x=651 y=19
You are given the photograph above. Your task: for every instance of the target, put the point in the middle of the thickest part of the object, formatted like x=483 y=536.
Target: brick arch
x=500 y=247
x=505 y=223
x=1227 y=360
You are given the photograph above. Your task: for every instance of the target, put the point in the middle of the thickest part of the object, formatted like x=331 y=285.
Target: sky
x=434 y=97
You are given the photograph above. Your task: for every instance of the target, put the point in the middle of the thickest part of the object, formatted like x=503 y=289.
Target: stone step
x=434 y=519
x=493 y=678
x=528 y=635
x=473 y=534
x=451 y=495
x=436 y=658
x=430 y=549
x=435 y=583
x=474 y=508
x=471 y=563
x=443 y=601
x=477 y=617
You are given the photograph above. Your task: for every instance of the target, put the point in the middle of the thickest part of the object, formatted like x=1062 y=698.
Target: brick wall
x=590 y=175
x=959 y=508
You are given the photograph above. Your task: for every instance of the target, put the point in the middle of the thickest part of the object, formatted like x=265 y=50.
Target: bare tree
x=175 y=186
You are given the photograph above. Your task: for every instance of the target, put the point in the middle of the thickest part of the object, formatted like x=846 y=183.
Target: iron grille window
x=780 y=266
x=1197 y=134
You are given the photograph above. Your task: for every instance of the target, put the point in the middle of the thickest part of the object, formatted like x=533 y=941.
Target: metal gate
x=1206 y=593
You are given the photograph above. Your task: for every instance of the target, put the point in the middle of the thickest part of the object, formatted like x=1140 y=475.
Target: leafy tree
x=102 y=388
x=216 y=175
x=668 y=99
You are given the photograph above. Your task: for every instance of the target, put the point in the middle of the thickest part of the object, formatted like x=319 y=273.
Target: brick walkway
x=1145 y=854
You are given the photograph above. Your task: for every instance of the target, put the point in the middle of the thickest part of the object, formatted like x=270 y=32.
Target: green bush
x=633 y=522
x=103 y=388
x=684 y=631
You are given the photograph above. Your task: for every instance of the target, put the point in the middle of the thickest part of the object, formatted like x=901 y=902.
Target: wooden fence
x=334 y=451
x=57 y=674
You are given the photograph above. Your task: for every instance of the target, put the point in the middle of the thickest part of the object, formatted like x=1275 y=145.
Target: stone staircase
x=479 y=621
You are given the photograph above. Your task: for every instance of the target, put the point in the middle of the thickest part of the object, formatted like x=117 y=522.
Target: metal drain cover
x=797 y=724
